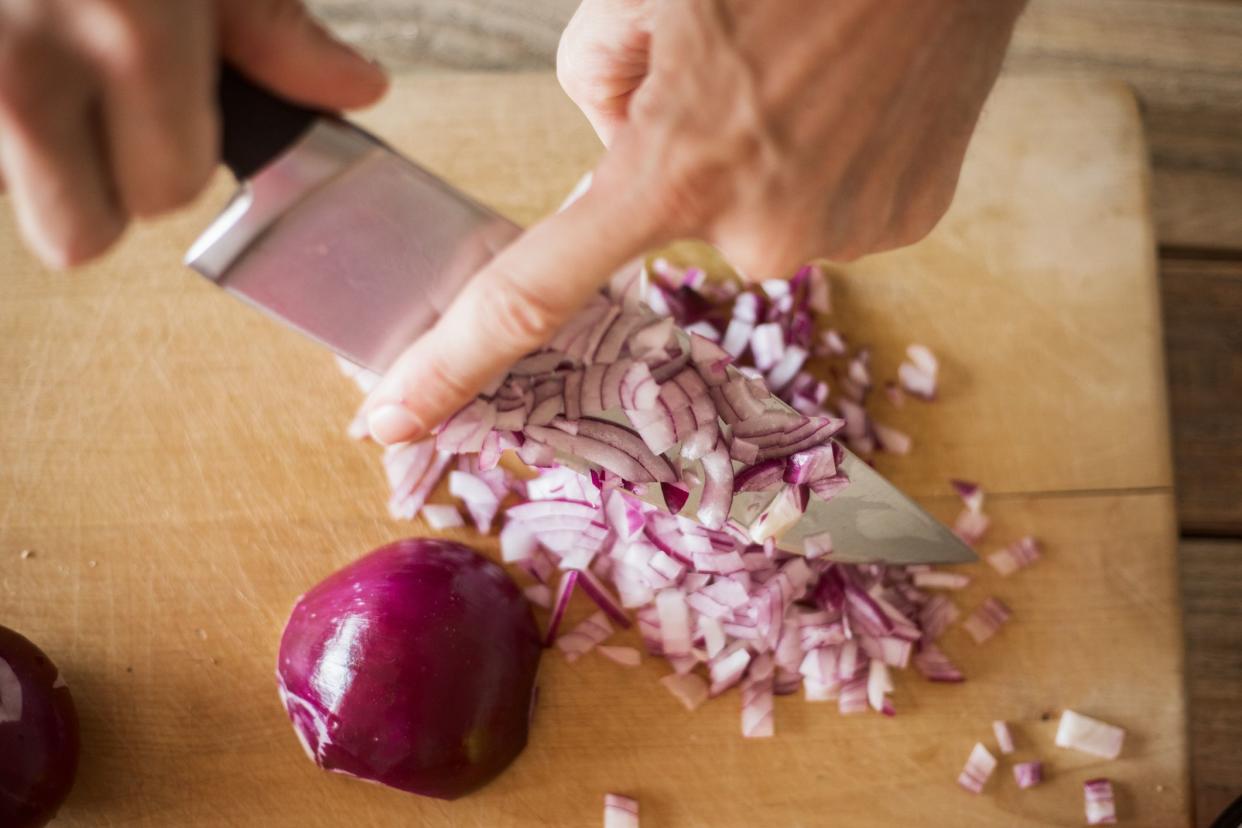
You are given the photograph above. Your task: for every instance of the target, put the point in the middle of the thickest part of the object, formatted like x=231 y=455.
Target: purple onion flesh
x=413 y=667
x=39 y=740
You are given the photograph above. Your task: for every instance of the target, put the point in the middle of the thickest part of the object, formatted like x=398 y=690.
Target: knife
x=337 y=235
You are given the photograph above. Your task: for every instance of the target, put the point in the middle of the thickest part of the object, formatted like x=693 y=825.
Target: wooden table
x=1184 y=58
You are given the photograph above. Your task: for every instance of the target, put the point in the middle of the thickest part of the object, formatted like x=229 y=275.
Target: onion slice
x=984 y=622
x=1028 y=774
x=1004 y=739
x=625 y=656
x=582 y=638
x=1089 y=735
x=978 y=769
x=620 y=811
x=1098 y=801
x=688 y=688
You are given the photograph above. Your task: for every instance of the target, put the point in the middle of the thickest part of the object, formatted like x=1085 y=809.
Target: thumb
x=278 y=44
x=510 y=308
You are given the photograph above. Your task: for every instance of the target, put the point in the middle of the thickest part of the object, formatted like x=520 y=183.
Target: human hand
x=777 y=131
x=107 y=107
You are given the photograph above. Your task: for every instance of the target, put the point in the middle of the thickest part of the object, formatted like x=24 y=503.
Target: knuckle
x=133 y=46
x=154 y=194
x=24 y=65
x=518 y=315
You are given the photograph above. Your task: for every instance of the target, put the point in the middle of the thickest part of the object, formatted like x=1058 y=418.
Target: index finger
x=511 y=307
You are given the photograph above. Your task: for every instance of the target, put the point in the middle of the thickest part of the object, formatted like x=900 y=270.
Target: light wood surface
x=177 y=465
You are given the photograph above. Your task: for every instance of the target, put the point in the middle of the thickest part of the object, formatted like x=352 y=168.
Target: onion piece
x=936 y=615
x=1004 y=739
x=935 y=665
x=918 y=374
x=892 y=440
x=674 y=622
x=625 y=656
x=589 y=632
x=688 y=688
x=970 y=492
x=757 y=707
x=971 y=526
x=983 y=623
x=1089 y=735
x=603 y=597
x=517 y=543
x=539 y=594
x=439 y=516
x=560 y=603
x=1098 y=801
x=1018 y=555
x=941 y=580
x=978 y=769
x=620 y=811
x=1028 y=774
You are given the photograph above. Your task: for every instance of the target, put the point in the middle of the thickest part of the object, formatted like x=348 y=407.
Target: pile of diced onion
x=676 y=393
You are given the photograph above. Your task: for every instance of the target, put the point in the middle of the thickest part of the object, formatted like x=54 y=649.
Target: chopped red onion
x=517 y=543
x=1018 y=555
x=441 y=516
x=971 y=526
x=560 y=603
x=892 y=440
x=539 y=594
x=941 y=580
x=688 y=688
x=757 y=711
x=983 y=623
x=625 y=656
x=1004 y=739
x=918 y=373
x=482 y=501
x=674 y=622
x=642 y=402
x=936 y=616
x=935 y=665
x=1089 y=735
x=978 y=769
x=1099 y=803
x=971 y=494
x=620 y=811
x=591 y=631
x=1028 y=774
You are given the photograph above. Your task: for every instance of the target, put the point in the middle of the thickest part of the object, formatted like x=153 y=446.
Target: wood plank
x=1185 y=62
x=1211 y=572
x=209 y=488
x=1203 y=335
x=1184 y=59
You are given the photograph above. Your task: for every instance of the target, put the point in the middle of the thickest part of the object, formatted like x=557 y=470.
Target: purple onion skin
x=38 y=751
x=413 y=667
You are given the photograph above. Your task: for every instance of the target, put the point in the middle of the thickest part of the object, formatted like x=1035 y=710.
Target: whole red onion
x=38 y=734
x=414 y=667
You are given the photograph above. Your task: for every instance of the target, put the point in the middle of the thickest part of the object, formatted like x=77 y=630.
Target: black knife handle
x=258 y=126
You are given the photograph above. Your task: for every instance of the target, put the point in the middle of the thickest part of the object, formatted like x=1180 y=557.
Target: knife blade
x=340 y=237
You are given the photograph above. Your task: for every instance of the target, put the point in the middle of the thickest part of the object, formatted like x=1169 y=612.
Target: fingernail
x=392 y=423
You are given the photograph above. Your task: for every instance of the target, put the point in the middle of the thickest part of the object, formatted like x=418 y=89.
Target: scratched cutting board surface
x=177 y=464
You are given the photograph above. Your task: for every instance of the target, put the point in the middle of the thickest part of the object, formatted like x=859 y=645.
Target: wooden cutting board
x=178 y=466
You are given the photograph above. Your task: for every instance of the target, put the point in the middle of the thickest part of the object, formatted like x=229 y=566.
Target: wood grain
x=1211 y=572
x=1184 y=59
x=179 y=492
x=1203 y=333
